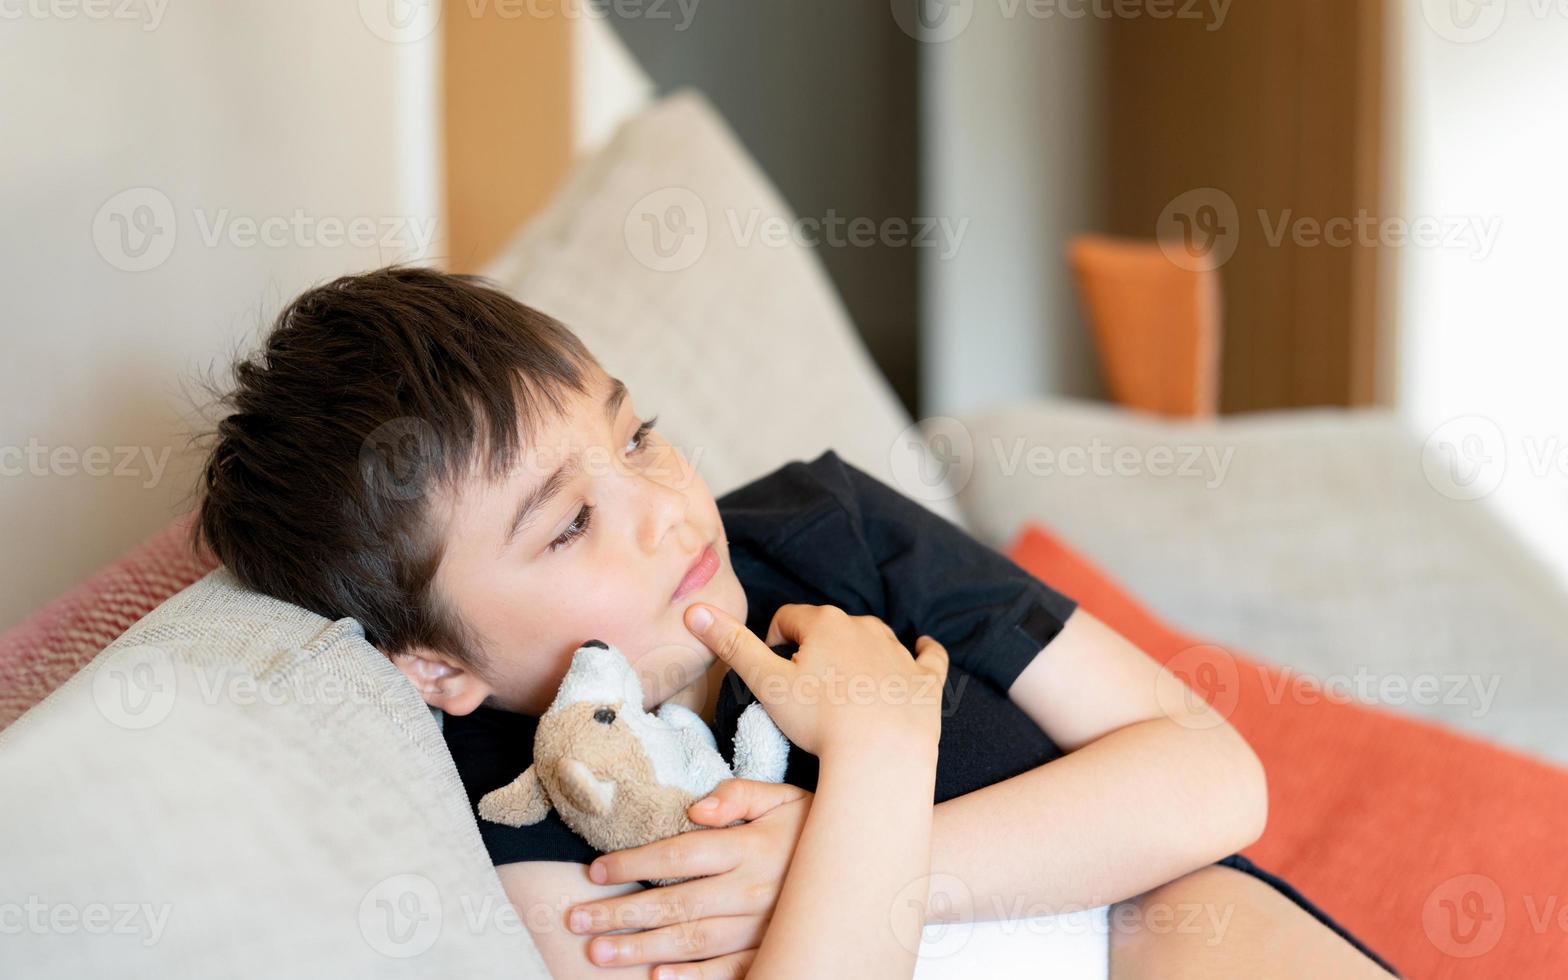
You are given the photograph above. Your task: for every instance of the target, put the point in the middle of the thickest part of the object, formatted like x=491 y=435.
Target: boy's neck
x=703 y=696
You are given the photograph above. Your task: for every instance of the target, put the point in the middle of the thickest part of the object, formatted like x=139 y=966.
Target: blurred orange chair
x=1156 y=324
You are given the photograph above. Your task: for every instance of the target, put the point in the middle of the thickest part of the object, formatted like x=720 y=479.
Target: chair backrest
x=1156 y=324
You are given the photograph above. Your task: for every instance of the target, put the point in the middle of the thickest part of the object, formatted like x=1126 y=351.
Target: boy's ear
x=443 y=681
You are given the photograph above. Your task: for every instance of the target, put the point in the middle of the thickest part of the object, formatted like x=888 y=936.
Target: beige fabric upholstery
x=242 y=787
x=740 y=346
x=1308 y=538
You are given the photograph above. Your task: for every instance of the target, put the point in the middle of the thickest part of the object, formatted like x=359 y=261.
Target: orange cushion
x=1444 y=854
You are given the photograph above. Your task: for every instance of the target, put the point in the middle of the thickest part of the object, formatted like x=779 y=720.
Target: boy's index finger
x=793 y=620
x=733 y=643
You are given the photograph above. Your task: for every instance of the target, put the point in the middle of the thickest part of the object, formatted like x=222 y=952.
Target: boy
x=455 y=471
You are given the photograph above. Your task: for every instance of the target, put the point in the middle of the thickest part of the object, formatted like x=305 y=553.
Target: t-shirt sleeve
x=991 y=615
x=490 y=748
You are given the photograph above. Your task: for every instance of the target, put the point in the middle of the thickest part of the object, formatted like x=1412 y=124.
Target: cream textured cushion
x=238 y=786
x=1310 y=538
x=737 y=341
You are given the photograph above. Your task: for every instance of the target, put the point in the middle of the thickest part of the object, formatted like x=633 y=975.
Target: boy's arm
x=541 y=892
x=1155 y=784
x=843 y=909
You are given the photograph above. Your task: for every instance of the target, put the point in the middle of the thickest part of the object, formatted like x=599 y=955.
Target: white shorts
x=1070 y=946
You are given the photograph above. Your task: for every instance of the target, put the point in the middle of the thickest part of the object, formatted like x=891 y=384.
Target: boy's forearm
x=867 y=838
x=1136 y=808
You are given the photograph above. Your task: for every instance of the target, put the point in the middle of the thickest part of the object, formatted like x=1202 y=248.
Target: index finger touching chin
x=733 y=643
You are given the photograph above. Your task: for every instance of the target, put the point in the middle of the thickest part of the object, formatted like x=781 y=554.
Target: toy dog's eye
x=604 y=716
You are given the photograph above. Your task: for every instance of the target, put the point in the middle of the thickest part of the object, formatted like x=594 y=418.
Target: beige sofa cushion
x=239 y=786
x=740 y=345
x=1310 y=538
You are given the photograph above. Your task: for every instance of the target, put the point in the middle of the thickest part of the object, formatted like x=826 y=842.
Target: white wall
x=1484 y=337
x=608 y=85
x=1012 y=142
x=228 y=112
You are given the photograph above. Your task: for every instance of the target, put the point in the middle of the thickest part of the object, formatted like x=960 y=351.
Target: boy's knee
x=1206 y=923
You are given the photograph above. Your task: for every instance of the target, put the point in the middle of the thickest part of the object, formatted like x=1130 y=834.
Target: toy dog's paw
x=761 y=750
x=695 y=733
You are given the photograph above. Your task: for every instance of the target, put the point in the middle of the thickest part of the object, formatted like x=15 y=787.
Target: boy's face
x=533 y=586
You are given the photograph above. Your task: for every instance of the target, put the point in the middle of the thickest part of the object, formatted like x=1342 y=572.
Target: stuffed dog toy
x=621 y=777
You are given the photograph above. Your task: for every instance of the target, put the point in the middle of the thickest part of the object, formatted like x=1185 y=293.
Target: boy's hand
x=851 y=684
x=714 y=923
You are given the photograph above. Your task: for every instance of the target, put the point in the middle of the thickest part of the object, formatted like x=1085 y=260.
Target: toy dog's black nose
x=600 y=644
x=604 y=716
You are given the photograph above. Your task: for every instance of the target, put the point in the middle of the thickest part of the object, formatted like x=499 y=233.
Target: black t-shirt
x=827 y=533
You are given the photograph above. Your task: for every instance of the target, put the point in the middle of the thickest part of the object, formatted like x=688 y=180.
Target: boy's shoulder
x=788 y=499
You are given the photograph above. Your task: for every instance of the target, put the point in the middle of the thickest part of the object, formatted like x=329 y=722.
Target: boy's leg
x=1220 y=922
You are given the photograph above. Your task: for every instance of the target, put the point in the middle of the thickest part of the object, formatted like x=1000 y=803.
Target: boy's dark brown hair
x=368 y=393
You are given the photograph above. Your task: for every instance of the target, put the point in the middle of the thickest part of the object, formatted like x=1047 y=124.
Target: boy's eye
x=640 y=437
x=580 y=524
x=574 y=530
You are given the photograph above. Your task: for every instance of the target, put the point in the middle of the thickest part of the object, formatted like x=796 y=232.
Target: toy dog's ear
x=584 y=790
x=519 y=803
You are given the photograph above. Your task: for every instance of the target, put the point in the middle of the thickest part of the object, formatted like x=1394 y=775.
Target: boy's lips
x=702 y=569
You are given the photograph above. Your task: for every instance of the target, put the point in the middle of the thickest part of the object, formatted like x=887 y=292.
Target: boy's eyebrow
x=540 y=496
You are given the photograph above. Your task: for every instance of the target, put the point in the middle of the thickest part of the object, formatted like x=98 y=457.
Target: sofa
x=226 y=783
x=204 y=781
